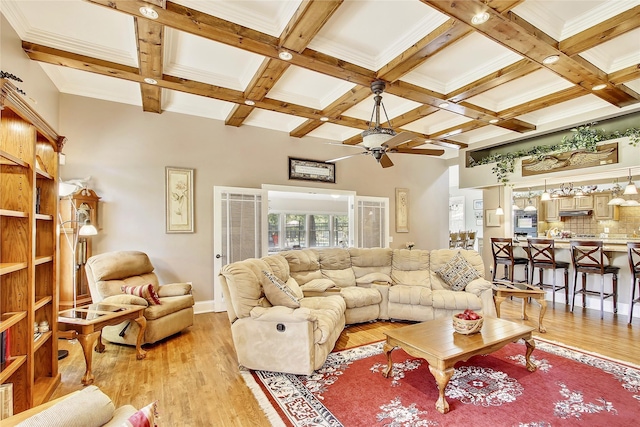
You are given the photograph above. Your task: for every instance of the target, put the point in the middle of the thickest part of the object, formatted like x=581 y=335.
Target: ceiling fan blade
x=385 y=161
x=342 y=144
x=423 y=151
x=400 y=138
x=345 y=157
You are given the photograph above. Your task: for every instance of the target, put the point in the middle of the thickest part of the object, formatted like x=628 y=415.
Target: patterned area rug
x=569 y=388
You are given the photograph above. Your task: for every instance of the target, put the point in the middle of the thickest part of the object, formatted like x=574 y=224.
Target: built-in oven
x=525 y=223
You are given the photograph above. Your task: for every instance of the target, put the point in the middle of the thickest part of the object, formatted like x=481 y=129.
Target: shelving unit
x=28 y=248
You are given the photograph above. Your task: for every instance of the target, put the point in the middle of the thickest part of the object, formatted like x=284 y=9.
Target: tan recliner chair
x=108 y=272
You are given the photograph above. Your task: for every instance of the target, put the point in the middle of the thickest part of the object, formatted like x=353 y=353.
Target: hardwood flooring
x=195 y=378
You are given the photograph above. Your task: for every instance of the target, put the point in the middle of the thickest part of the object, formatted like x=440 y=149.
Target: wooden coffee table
x=503 y=290
x=442 y=347
x=88 y=322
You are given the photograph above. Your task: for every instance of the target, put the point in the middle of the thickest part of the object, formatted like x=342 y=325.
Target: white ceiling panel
x=574 y=108
x=616 y=54
x=334 y=132
x=304 y=87
x=214 y=63
x=394 y=106
x=370 y=33
x=273 y=120
x=532 y=86
x=480 y=57
x=436 y=122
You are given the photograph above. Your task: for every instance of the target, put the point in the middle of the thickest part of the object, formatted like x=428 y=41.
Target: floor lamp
x=82 y=216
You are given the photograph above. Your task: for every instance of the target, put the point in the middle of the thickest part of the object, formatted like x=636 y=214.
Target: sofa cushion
x=373 y=277
x=329 y=313
x=174 y=289
x=369 y=261
x=457 y=273
x=360 y=297
x=169 y=305
x=244 y=282
x=277 y=292
x=452 y=300
x=335 y=265
x=410 y=267
x=143 y=291
x=145 y=417
x=410 y=295
x=303 y=265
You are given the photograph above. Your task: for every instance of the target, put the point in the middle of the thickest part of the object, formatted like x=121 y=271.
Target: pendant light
x=631 y=187
x=499 y=210
x=513 y=205
x=545 y=196
x=617 y=200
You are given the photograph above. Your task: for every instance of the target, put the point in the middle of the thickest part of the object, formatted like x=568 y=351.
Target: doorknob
x=218 y=256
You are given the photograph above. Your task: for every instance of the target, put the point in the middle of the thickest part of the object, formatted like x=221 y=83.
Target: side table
x=503 y=290
x=88 y=322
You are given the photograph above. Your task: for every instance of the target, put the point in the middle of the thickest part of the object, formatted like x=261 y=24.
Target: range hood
x=577 y=212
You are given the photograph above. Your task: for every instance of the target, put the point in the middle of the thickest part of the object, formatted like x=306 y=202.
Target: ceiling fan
x=378 y=140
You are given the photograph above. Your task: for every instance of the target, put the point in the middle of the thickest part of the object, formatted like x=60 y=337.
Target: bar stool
x=453 y=240
x=542 y=255
x=587 y=257
x=471 y=240
x=634 y=265
x=502 y=250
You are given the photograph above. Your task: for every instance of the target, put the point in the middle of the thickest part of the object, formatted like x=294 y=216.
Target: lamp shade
x=88 y=229
x=630 y=189
x=499 y=211
x=617 y=201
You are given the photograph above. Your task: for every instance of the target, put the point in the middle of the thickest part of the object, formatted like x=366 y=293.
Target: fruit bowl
x=465 y=323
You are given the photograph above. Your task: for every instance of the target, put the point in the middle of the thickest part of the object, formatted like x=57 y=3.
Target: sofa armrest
x=125 y=299
x=174 y=289
x=279 y=313
x=478 y=286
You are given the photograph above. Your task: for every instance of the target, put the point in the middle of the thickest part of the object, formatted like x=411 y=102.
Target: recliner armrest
x=279 y=313
x=174 y=289
x=125 y=299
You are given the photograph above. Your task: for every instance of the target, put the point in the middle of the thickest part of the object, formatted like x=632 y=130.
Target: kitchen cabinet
x=523 y=202
x=551 y=210
x=602 y=210
x=575 y=203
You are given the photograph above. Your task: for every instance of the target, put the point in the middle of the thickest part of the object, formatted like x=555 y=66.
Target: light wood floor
x=194 y=375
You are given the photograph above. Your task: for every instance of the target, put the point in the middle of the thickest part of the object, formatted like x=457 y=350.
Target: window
x=307 y=231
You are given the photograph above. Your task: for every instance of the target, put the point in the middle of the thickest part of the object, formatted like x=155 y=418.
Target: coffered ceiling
x=210 y=57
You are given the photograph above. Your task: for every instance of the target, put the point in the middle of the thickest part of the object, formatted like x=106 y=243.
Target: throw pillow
x=458 y=273
x=278 y=293
x=145 y=417
x=145 y=291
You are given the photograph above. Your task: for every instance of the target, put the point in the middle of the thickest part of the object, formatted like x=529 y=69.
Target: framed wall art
x=179 y=200
x=312 y=170
x=402 y=210
x=491 y=219
x=477 y=204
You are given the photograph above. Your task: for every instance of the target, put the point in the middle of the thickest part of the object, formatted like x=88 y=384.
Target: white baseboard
x=204 y=307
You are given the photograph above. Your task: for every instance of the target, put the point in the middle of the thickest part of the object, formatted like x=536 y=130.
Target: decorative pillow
x=145 y=417
x=278 y=293
x=458 y=273
x=145 y=291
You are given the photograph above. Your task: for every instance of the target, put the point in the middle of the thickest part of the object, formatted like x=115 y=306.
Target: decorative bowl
x=467 y=327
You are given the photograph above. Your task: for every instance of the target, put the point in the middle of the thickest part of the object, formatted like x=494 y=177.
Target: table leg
x=142 y=322
x=388 y=349
x=442 y=378
x=531 y=345
x=87 y=342
x=524 y=309
x=498 y=300
x=99 y=344
x=543 y=310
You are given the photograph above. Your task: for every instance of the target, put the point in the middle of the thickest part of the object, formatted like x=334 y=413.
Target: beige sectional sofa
x=335 y=287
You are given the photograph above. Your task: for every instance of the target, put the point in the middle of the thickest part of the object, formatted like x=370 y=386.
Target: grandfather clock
x=75 y=210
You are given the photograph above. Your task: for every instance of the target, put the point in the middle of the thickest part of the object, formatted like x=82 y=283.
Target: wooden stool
x=587 y=257
x=542 y=255
x=502 y=250
x=634 y=265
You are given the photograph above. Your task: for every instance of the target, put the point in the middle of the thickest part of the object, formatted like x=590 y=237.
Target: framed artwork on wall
x=402 y=210
x=477 y=205
x=179 y=200
x=312 y=170
x=491 y=219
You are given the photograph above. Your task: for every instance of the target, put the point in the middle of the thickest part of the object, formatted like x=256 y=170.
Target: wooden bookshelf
x=29 y=150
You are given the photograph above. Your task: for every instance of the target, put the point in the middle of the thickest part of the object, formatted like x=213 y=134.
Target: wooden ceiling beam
x=443 y=36
x=503 y=6
x=302 y=27
x=493 y=80
x=455 y=130
x=543 y=102
x=600 y=33
x=509 y=31
x=149 y=38
x=625 y=75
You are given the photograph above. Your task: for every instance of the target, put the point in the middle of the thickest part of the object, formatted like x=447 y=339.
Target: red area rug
x=569 y=388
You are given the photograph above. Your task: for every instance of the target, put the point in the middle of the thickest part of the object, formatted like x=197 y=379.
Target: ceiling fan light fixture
x=285 y=56
x=150 y=81
x=480 y=18
x=249 y=102
x=551 y=59
x=599 y=87
x=374 y=138
x=148 y=12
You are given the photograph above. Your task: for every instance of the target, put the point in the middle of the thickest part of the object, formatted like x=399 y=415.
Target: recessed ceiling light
x=599 y=87
x=285 y=56
x=480 y=18
x=150 y=81
x=249 y=102
x=148 y=12
x=444 y=105
x=324 y=119
x=494 y=120
x=551 y=59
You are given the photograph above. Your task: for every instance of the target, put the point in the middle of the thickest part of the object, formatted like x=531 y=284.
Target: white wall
x=126 y=150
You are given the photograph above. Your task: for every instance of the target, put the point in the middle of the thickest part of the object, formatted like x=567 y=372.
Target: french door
x=239 y=224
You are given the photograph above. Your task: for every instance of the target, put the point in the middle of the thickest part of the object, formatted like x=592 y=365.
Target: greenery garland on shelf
x=584 y=137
